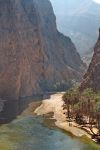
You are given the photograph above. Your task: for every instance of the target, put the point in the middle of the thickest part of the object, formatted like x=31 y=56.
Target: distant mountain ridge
x=80 y=20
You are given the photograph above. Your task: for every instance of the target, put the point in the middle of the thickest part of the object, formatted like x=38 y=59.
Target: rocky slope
x=87 y=57
x=92 y=77
x=34 y=56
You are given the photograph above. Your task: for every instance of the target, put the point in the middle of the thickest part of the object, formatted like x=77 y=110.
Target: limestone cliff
x=92 y=77
x=34 y=56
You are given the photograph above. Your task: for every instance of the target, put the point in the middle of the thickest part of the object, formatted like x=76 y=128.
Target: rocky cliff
x=34 y=56
x=92 y=77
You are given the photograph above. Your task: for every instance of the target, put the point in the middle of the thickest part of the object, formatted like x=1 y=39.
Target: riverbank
x=55 y=104
x=29 y=131
x=31 y=108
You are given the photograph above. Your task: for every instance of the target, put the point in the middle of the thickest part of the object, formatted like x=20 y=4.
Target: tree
x=70 y=98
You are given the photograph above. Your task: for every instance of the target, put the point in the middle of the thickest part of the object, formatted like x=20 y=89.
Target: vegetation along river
x=32 y=132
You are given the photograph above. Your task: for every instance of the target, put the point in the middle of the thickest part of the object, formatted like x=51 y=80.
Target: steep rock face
x=34 y=56
x=92 y=77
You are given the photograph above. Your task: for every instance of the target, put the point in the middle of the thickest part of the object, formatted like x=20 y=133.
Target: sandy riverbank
x=55 y=104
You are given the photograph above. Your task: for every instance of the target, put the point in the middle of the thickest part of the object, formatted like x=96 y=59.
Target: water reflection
x=29 y=133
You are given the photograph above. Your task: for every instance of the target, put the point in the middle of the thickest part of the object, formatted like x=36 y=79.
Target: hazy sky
x=74 y=7
x=97 y=1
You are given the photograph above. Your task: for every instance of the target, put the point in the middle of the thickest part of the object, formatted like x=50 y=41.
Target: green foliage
x=72 y=94
x=88 y=93
x=98 y=106
x=86 y=104
x=97 y=97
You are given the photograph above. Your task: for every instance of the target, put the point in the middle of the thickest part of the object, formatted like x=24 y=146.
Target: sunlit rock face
x=92 y=77
x=34 y=56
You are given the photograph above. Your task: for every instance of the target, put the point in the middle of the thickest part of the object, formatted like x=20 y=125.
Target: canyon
x=34 y=56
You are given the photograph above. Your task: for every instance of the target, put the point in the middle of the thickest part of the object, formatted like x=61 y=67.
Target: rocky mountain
x=80 y=20
x=87 y=57
x=34 y=56
x=92 y=77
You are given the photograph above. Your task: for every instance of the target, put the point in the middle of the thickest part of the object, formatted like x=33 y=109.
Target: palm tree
x=70 y=98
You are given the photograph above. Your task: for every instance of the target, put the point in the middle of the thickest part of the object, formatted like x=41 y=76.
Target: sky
x=72 y=7
x=64 y=1
x=97 y=1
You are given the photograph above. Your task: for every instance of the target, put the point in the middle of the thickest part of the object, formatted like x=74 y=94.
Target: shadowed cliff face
x=92 y=77
x=34 y=56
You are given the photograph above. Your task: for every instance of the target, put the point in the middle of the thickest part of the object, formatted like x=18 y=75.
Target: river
x=32 y=132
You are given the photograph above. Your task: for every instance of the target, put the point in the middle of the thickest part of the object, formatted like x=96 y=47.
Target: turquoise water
x=30 y=133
